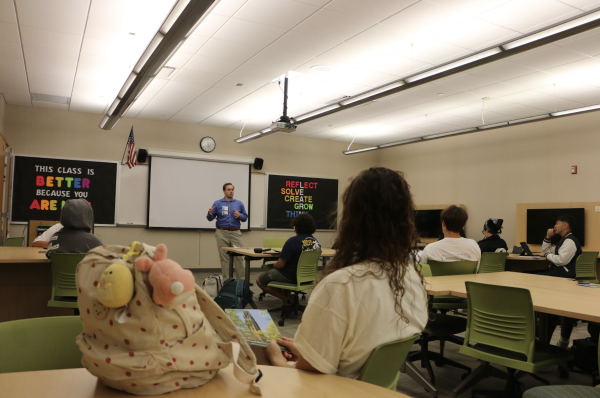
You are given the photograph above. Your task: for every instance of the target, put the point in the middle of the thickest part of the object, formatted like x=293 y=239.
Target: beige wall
x=2 y=112
x=46 y=132
x=491 y=171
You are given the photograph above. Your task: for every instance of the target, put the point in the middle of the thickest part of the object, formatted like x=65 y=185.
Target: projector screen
x=181 y=191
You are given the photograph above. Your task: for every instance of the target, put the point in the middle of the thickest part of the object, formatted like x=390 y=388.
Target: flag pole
x=125 y=150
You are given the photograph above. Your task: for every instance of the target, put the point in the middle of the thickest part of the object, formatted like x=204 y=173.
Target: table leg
x=231 y=264
x=252 y=303
x=543 y=328
x=325 y=261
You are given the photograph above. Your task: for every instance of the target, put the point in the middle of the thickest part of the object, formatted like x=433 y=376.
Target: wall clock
x=208 y=144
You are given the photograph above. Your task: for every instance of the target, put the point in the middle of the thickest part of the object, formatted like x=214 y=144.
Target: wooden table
x=26 y=284
x=276 y=382
x=517 y=263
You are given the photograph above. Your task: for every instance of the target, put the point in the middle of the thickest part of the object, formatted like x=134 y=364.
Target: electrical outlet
x=597 y=208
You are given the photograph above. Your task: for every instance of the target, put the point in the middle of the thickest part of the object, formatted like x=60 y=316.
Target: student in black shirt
x=284 y=270
x=492 y=228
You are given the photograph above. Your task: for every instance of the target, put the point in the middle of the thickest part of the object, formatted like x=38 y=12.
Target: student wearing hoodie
x=77 y=219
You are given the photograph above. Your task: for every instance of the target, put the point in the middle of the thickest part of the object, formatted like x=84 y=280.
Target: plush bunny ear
x=160 y=253
x=144 y=263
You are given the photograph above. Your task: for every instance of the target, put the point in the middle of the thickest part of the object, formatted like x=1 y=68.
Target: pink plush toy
x=172 y=284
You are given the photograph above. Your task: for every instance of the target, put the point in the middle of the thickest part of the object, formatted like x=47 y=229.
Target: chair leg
x=412 y=371
x=481 y=372
x=446 y=361
x=511 y=389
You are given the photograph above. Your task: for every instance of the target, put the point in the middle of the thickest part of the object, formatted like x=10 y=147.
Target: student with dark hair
x=453 y=247
x=562 y=264
x=492 y=228
x=370 y=293
x=77 y=219
x=284 y=270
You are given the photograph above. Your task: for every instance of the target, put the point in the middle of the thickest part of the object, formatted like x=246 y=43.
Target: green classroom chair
x=40 y=344
x=440 y=327
x=492 y=262
x=14 y=242
x=438 y=268
x=501 y=330
x=64 y=290
x=306 y=279
x=585 y=267
x=382 y=365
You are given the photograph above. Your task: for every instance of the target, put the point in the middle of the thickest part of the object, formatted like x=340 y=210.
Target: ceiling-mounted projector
x=283 y=126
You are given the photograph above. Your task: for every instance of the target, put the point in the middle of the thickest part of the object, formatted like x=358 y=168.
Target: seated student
x=284 y=270
x=492 y=228
x=563 y=258
x=453 y=247
x=370 y=294
x=77 y=218
x=44 y=238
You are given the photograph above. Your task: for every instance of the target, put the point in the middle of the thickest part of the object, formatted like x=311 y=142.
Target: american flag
x=131 y=155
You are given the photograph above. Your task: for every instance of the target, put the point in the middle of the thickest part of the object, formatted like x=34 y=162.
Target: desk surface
x=249 y=251
x=276 y=382
x=12 y=255
x=558 y=296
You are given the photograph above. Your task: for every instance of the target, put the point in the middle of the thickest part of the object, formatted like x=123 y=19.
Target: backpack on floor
x=234 y=294
x=585 y=355
x=212 y=285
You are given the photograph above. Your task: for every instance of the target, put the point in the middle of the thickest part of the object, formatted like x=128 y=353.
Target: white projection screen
x=182 y=190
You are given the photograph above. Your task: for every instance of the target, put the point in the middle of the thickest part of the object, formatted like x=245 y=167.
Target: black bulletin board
x=41 y=185
x=287 y=196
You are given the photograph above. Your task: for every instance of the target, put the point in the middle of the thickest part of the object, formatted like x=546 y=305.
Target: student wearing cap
x=492 y=228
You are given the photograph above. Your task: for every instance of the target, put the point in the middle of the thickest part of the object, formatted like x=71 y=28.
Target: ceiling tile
x=464 y=82
x=210 y=25
x=303 y=43
x=7 y=12
x=281 y=13
x=502 y=70
x=179 y=59
x=192 y=44
x=423 y=19
x=471 y=7
x=250 y=33
x=523 y=15
x=546 y=57
x=74 y=6
x=282 y=61
x=534 y=80
x=395 y=64
x=47 y=61
x=587 y=97
x=585 y=43
x=475 y=34
x=50 y=105
x=9 y=32
x=192 y=76
x=333 y=25
x=433 y=51
x=228 y=50
x=69 y=21
x=228 y=7
x=50 y=39
x=318 y=3
x=13 y=78
x=21 y=98
x=10 y=50
x=185 y=87
x=374 y=10
x=84 y=101
x=367 y=77
x=50 y=84
x=215 y=66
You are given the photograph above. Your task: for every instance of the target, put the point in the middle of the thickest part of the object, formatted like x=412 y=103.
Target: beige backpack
x=148 y=349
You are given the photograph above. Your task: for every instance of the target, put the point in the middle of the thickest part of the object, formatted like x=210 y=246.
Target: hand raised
x=211 y=209
x=236 y=213
x=550 y=233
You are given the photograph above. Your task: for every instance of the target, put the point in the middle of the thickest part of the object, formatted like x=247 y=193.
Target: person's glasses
x=483 y=231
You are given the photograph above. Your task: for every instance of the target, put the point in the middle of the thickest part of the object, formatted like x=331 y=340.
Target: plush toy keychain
x=115 y=288
x=172 y=284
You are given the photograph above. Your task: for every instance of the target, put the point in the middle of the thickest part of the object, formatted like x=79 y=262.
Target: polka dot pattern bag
x=146 y=348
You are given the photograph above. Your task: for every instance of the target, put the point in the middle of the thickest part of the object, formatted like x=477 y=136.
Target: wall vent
x=55 y=99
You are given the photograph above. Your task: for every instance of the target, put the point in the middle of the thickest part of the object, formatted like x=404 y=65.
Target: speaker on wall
x=258 y=163
x=142 y=155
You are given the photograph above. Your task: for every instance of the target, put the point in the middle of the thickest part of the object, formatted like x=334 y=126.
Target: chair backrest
x=40 y=344
x=307 y=266
x=425 y=269
x=14 y=242
x=274 y=242
x=63 y=273
x=492 y=262
x=384 y=362
x=586 y=265
x=501 y=316
x=439 y=268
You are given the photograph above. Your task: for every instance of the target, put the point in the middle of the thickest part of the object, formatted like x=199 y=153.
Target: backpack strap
x=233 y=349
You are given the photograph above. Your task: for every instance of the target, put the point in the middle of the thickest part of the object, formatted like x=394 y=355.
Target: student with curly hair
x=284 y=270
x=370 y=294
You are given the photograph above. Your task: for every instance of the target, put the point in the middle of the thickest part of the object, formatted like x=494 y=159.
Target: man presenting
x=229 y=212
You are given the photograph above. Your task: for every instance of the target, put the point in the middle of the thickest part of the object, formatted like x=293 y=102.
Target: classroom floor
x=446 y=377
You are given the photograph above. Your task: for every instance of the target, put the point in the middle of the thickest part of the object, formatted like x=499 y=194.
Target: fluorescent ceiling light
x=408 y=141
x=529 y=119
x=113 y=106
x=127 y=84
x=369 y=148
x=316 y=112
x=449 y=133
x=577 y=110
x=492 y=125
x=248 y=137
x=149 y=50
x=549 y=32
x=372 y=93
x=104 y=120
x=175 y=13
x=455 y=64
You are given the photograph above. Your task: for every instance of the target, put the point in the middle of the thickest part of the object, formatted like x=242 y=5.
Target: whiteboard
x=132 y=203
x=258 y=204
x=182 y=191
